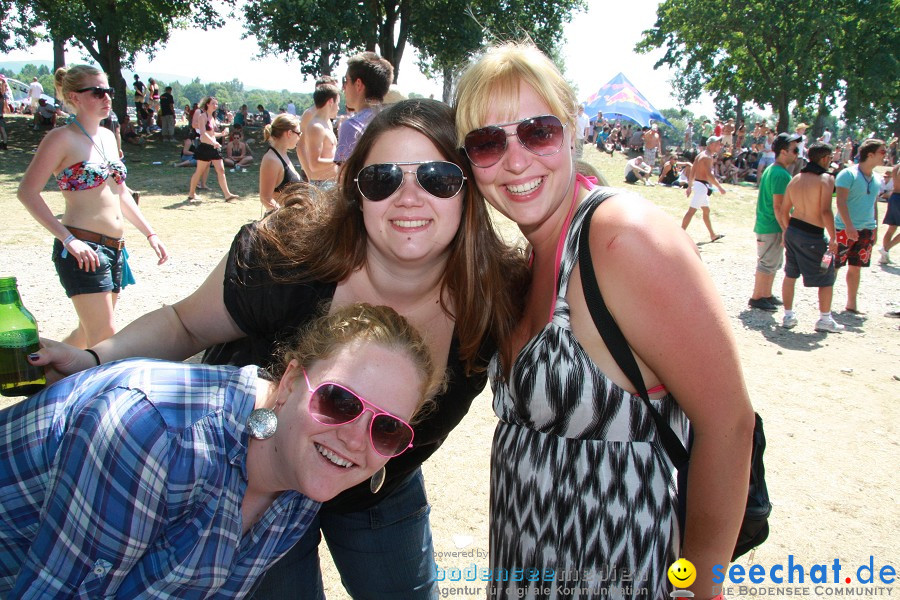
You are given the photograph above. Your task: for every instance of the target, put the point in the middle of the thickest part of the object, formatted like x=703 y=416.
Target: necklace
x=99 y=148
x=868 y=181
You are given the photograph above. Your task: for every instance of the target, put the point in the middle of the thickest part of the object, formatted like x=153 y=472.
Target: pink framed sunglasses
x=333 y=404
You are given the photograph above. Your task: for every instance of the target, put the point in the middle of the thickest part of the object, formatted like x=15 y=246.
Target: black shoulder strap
x=617 y=344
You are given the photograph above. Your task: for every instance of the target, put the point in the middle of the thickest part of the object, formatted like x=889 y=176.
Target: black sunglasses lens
x=390 y=435
x=334 y=405
x=441 y=179
x=485 y=146
x=377 y=182
x=541 y=135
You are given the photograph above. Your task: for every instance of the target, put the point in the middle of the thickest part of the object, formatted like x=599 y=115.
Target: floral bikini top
x=88 y=175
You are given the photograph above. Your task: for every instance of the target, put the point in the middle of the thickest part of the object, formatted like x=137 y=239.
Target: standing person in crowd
x=846 y=151
x=4 y=106
x=153 y=94
x=767 y=157
x=276 y=171
x=689 y=136
x=237 y=154
x=856 y=220
x=167 y=115
x=404 y=228
x=209 y=149
x=652 y=145
x=700 y=186
x=242 y=117
x=573 y=437
x=35 y=91
x=140 y=91
x=367 y=80
x=317 y=137
x=144 y=478
x=739 y=136
x=809 y=196
x=826 y=136
x=291 y=107
x=770 y=223
x=891 y=218
x=306 y=117
x=89 y=241
x=707 y=131
x=728 y=135
x=582 y=127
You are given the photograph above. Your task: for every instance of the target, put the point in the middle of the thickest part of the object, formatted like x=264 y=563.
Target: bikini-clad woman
x=88 y=251
x=209 y=150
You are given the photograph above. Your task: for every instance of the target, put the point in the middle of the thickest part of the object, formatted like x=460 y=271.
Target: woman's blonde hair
x=281 y=125
x=491 y=83
x=69 y=79
x=330 y=333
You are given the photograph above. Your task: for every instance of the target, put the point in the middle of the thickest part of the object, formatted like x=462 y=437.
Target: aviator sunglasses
x=98 y=92
x=439 y=178
x=542 y=135
x=333 y=404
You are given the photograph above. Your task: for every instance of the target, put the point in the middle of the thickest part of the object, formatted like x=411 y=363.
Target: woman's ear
x=293 y=373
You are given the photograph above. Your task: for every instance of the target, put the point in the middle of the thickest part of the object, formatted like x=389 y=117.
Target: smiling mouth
x=334 y=458
x=525 y=188
x=411 y=224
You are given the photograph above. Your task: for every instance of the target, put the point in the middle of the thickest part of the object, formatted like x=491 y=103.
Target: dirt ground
x=831 y=402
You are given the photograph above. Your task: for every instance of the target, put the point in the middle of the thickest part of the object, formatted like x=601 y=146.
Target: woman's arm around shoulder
x=669 y=310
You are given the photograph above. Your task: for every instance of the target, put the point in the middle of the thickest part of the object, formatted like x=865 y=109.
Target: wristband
x=94 y=354
x=151 y=235
x=68 y=239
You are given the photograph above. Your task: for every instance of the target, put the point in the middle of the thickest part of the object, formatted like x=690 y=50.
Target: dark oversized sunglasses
x=542 y=135
x=439 y=178
x=333 y=404
x=98 y=92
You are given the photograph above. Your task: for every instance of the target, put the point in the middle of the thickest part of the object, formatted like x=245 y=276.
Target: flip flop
x=718 y=237
x=853 y=311
x=232 y=197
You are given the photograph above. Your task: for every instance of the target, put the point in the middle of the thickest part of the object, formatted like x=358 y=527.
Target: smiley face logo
x=682 y=573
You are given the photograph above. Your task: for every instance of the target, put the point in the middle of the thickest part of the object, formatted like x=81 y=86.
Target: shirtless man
x=699 y=187
x=318 y=139
x=809 y=195
x=304 y=124
x=652 y=145
x=891 y=219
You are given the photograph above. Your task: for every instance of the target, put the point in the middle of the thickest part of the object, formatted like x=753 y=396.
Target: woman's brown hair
x=324 y=232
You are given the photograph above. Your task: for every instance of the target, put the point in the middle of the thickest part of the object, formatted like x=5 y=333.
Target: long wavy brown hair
x=485 y=279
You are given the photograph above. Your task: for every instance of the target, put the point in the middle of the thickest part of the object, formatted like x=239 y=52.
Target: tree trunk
x=781 y=107
x=325 y=64
x=448 y=83
x=738 y=112
x=59 y=53
x=822 y=112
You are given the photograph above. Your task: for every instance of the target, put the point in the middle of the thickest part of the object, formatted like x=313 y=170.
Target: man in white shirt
x=291 y=108
x=582 y=129
x=636 y=169
x=35 y=89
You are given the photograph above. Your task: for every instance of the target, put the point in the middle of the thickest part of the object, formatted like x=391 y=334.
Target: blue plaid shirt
x=126 y=481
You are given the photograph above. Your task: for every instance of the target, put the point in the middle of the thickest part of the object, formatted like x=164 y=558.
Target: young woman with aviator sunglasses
x=145 y=478
x=89 y=248
x=404 y=229
x=577 y=482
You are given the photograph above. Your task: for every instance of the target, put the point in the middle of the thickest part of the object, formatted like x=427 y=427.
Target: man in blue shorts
x=805 y=245
x=857 y=218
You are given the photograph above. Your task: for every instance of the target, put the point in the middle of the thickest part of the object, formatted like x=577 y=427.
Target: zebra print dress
x=583 y=502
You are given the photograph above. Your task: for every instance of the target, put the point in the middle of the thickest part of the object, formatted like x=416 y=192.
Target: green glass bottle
x=18 y=339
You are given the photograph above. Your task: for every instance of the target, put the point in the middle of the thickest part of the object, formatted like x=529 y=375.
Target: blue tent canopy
x=619 y=99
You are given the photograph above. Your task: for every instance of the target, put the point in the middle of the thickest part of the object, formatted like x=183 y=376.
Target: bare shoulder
x=627 y=222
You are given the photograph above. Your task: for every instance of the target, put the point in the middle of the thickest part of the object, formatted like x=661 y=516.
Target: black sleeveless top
x=290 y=176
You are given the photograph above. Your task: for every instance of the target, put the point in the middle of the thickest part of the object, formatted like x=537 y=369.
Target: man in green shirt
x=769 y=228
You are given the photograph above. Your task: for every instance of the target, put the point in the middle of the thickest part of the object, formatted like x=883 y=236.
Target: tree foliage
x=445 y=32
x=114 y=32
x=777 y=52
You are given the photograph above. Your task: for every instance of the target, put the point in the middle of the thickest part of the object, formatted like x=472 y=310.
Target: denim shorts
x=107 y=277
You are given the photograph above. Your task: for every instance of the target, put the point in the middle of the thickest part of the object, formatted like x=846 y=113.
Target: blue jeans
x=382 y=553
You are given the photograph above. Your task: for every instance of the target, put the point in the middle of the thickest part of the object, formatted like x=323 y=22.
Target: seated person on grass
x=129 y=134
x=636 y=169
x=236 y=153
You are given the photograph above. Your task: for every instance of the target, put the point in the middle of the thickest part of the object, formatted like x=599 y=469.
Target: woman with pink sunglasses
x=146 y=478
x=578 y=481
x=405 y=229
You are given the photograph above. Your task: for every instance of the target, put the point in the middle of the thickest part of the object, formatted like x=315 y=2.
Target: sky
x=597 y=45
